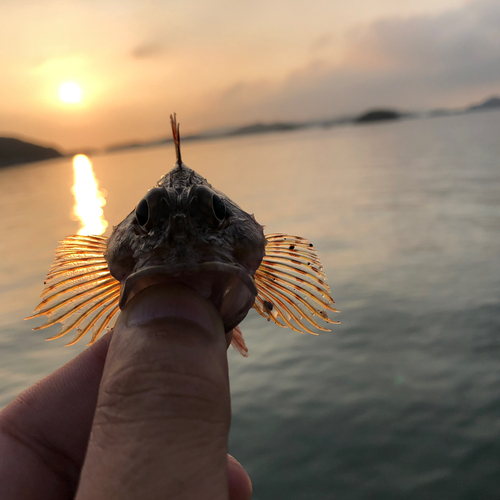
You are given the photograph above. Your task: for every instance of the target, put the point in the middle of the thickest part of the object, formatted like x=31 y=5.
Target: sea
x=399 y=401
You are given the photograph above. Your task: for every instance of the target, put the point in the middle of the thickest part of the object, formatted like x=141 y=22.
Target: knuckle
x=145 y=392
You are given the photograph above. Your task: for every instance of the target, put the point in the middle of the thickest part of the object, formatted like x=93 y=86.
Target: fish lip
x=218 y=279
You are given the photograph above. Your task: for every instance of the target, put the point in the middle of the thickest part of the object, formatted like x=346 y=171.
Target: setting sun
x=70 y=92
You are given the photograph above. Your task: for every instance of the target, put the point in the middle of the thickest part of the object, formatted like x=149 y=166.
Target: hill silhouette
x=489 y=104
x=14 y=151
x=378 y=115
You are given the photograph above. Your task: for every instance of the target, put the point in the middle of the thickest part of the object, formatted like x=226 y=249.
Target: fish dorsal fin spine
x=177 y=139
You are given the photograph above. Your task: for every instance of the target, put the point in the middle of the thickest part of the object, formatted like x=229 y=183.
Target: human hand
x=157 y=427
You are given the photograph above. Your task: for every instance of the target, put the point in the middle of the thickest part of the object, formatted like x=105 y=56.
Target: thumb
x=162 y=419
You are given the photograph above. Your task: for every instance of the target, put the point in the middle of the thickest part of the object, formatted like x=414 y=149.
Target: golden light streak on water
x=88 y=199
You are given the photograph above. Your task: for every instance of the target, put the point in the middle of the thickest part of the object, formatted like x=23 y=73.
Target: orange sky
x=225 y=62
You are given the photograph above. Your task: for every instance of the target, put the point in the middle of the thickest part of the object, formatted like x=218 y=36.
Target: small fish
x=186 y=232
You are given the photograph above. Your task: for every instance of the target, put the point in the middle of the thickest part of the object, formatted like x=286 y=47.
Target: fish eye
x=152 y=209
x=218 y=207
x=142 y=212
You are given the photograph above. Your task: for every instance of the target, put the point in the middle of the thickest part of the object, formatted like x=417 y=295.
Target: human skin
x=143 y=413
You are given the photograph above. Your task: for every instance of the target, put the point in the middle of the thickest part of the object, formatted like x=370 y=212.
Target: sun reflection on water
x=88 y=199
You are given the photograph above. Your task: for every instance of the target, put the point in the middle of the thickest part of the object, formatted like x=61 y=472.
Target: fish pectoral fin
x=80 y=292
x=291 y=285
x=238 y=342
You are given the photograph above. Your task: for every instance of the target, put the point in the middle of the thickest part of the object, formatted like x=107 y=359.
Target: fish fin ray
x=291 y=285
x=80 y=292
x=238 y=342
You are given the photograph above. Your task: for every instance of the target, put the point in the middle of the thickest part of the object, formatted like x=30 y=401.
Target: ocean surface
x=400 y=401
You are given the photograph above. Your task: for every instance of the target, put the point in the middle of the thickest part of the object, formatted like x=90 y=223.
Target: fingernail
x=170 y=301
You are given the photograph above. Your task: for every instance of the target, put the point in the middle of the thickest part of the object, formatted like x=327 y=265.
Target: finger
x=162 y=419
x=240 y=486
x=44 y=431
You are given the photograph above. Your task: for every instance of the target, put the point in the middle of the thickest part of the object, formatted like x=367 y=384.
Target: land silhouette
x=379 y=115
x=15 y=151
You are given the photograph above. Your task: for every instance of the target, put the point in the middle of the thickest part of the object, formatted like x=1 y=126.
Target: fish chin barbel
x=186 y=232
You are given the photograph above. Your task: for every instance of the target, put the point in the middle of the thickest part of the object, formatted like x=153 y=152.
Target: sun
x=70 y=92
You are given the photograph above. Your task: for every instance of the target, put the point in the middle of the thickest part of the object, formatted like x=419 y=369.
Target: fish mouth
x=229 y=287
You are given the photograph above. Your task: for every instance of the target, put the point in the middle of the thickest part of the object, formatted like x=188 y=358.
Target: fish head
x=186 y=232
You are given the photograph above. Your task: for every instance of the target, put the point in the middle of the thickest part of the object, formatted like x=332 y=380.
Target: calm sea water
x=400 y=401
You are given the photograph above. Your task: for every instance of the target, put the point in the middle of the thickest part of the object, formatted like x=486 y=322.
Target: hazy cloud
x=416 y=62
x=325 y=40
x=147 y=50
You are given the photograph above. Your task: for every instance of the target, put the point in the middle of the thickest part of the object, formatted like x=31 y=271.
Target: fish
x=186 y=232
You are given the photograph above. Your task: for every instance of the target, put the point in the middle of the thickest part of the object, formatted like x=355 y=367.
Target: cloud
x=415 y=62
x=147 y=50
x=323 y=41
x=463 y=42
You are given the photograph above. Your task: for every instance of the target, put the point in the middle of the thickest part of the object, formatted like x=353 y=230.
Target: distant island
x=369 y=117
x=262 y=128
x=257 y=128
x=378 y=115
x=14 y=151
x=489 y=104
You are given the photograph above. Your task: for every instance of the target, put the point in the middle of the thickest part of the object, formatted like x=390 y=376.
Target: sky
x=231 y=62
